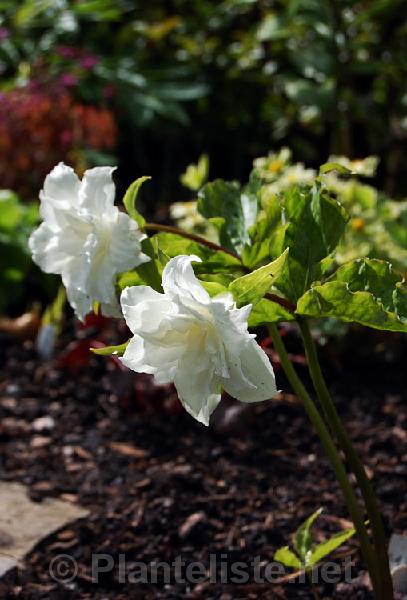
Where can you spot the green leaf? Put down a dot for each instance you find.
(266, 311)
(365, 291)
(303, 539)
(111, 350)
(334, 166)
(324, 548)
(212, 260)
(214, 288)
(252, 287)
(314, 223)
(232, 211)
(148, 273)
(130, 199)
(196, 175)
(266, 236)
(11, 211)
(129, 279)
(287, 558)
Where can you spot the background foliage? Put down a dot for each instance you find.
(153, 86)
(234, 79)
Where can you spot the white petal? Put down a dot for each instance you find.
(61, 186)
(97, 191)
(198, 391)
(143, 307)
(258, 381)
(179, 281)
(80, 302)
(125, 247)
(133, 356)
(98, 272)
(43, 244)
(144, 357)
(111, 310)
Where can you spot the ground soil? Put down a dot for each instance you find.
(159, 485)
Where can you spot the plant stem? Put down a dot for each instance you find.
(190, 236)
(332, 454)
(372, 507)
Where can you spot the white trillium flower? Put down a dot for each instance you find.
(85, 238)
(200, 343)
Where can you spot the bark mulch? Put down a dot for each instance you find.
(158, 485)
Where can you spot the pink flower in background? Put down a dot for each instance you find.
(88, 62)
(68, 80)
(66, 51)
(4, 33)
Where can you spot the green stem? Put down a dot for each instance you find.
(331, 452)
(372, 507)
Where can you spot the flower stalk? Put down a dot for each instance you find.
(372, 507)
(333, 456)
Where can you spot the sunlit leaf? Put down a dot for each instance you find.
(266, 311)
(324, 548)
(287, 558)
(111, 350)
(252, 287)
(130, 199)
(302, 537)
(334, 166)
(212, 260)
(365, 291)
(196, 175)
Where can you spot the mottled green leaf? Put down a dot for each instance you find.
(314, 223)
(266, 236)
(303, 539)
(365, 291)
(231, 210)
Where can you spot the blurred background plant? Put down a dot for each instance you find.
(152, 86)
(232, 78)
(20, 280)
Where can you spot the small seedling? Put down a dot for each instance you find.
(306, 553)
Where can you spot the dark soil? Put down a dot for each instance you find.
(159, 485)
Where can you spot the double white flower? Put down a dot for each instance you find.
(200, 343)
(85, 238)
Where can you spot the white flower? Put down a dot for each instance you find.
(85, 238)
(200, 343)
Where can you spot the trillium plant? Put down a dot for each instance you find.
(190, 301)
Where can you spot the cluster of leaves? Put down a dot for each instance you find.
(285, 247)
(325, 77)
(306, 553)
(377, 224)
